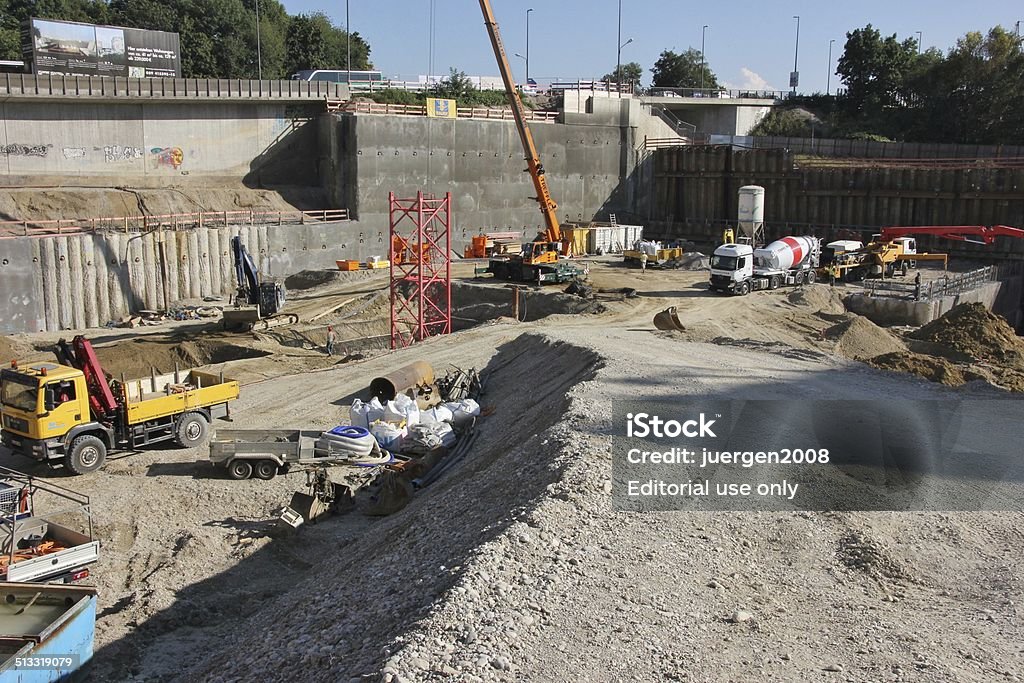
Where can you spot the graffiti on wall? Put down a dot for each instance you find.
(73, 152)
(112, 153)
(172, 157)
(19, 150)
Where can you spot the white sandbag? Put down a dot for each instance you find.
(463, 411)
(402, 410)
(431, 435)
(389, 436)
(365, 414)
(436, 414)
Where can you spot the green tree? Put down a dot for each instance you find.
(455, 86)
(683, 70)
(873, 70)
(306, 43)
(628, 73)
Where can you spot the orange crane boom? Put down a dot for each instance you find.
(553, 231)
(961, 233)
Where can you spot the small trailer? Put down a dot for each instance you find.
(46, 631)
(264, 453)
(34, 547)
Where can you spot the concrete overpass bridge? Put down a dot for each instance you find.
(714, 111)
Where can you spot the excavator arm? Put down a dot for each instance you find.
(553, 231)
(986, 234)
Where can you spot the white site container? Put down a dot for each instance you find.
(613, 239)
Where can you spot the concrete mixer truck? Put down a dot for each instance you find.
(739, 268)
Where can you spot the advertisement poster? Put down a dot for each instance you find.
(68, 48)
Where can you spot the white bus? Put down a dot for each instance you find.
(338, 76)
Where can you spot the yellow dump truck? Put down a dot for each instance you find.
(73, 413)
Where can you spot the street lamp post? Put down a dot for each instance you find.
(526, 82)
(828, 79)
(919, 42)
(795, 77)
(702, 32)
(259, 52)
(348, 46)
(618, 54)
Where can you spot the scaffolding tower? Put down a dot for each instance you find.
(421, 268)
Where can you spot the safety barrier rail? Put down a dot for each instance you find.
(116, 87)
(170, 221)
(717, 93)
(342, 106)
(932, 289)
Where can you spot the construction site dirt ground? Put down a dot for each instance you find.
(514, 565)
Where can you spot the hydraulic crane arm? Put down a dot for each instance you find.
(986, 234)
(245, 271)
(553, 232)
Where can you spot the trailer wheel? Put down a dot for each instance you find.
(265, 469)
(191, 430)
(743, 289)
(87, 454)
(811, 277)
(239, 469)
(773, 283)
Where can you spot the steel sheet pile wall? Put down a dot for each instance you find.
(695, 196)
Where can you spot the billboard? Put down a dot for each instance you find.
(64, 47)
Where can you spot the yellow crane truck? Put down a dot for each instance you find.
(73, 413)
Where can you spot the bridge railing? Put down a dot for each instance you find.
(343, 106)
(169, 221)
(53, 85)
(717, 93)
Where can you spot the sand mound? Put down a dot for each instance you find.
(929, 367)
(859, 338)
(16, 348)
(972, 330)
(308, 279)
(817, 298)
(690, 261)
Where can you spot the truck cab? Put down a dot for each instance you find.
(732, 267)
(42, 403)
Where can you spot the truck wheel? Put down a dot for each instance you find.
(87, 454)
(773, 283)
(811, 277)
(265, 469)
(239, 469)
(743, 289)
(191, 430)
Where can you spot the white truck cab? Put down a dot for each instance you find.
(731, 264)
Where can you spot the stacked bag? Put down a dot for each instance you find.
(400, 424)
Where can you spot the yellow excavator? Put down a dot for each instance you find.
(542, 260)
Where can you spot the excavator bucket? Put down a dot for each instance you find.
(241, 318)
(667, 320)
(309, 507)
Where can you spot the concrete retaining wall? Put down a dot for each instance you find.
(479, 162)
(156, 141)
(890, 311)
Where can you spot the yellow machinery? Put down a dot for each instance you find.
(632, 256)
(72, 412)
(541, 261)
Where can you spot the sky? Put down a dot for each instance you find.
(747, 44)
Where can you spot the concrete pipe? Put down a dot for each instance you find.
(417, 374)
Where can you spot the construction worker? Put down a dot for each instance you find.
(643, 261)
(917, 286)
(331, 338)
